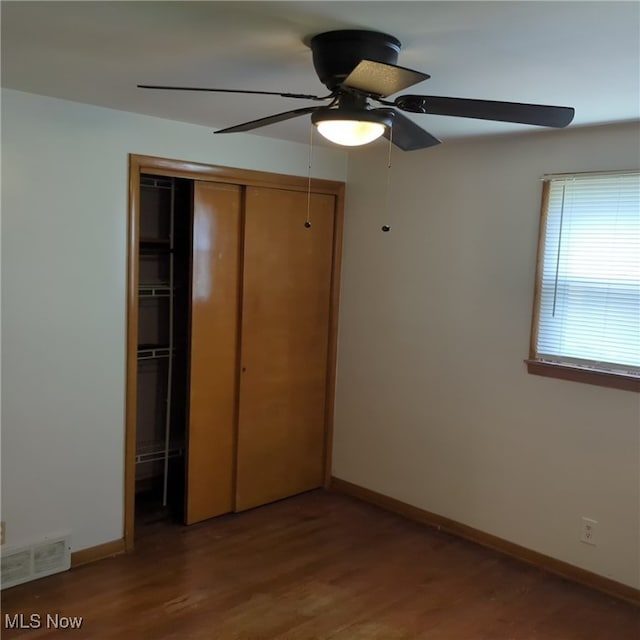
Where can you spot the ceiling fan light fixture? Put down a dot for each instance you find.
(359, 68)
(350, 133)
(350, 128)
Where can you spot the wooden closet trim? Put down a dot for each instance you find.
(131, 396)
(139, 164)
(232, 175)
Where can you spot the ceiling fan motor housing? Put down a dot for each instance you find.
(337, 53)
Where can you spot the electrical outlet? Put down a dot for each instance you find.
(589, 529)
(2, 527)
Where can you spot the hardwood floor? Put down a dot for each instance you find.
(317, 566)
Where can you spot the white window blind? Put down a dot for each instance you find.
(589, 282)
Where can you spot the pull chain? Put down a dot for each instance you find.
(307, 222)
(387, 227)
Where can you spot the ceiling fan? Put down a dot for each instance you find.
(359, 67)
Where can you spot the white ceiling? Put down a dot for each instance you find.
(580, 54)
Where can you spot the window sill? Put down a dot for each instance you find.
(588, 376)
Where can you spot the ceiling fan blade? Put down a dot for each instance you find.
(263, 122)
(382, 79)
(406, 134)
(536, 114)
(302, 96)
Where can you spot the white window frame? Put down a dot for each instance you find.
(563, 365)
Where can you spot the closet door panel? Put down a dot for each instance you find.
(215, 301)
(284, 355)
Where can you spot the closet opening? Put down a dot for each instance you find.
(162, 347)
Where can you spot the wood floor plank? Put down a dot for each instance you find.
(318, 566)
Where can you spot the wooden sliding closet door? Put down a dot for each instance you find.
(214, 350)
(284, 353)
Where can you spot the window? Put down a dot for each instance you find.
(586, 319)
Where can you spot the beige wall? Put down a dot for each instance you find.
(64, 255)
(434, 404)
